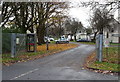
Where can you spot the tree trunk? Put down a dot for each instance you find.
(94, 36)
(75, 37)
(119, 39)
(31, 30)
(71, 37)
(40, 35)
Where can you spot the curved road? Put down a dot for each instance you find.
(66, 65)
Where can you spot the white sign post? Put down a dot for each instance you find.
(106, 44)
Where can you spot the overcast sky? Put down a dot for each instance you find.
(83, 13)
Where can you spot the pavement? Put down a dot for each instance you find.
(66, 65)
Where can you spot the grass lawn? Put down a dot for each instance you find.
(105, 66)
(90, 43)
(73, 41)
(111, 55)
(114, 43)
(111, 61)
(52, 42)
(41, 52)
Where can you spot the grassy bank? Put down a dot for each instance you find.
(111, 61)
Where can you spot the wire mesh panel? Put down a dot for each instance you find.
(13, 43)
(6, 42)
(20, 43)
(110, 53)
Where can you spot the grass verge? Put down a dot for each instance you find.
(110, 61)
(115, 44)
(41, 52)
(105, 66)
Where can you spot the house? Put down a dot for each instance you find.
(80, 34)
(113, 34)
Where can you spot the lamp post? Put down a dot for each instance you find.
(47, 46)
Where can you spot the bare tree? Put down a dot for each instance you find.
(100, 21)
(73, 27)
(31, 15)
(56, 25)
(101, 14)
(47, 11)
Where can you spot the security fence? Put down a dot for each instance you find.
(15, 43)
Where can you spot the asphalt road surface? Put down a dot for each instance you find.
(66, 65)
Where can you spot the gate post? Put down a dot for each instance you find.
(13, 45)
(100, 47)
(97, 46)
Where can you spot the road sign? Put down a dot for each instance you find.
(106, 42)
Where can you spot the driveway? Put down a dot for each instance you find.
(66, 65)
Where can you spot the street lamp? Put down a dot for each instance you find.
(47, 46)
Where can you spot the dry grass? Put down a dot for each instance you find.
(41, 52)
(56, 47)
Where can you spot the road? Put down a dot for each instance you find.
(66, 65)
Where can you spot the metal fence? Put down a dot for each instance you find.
(20, 43)
(6, 42)
(13, 43)
(107, 51)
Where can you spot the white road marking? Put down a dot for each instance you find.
(24, 74)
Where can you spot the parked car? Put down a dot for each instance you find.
(61, 40)
(51, 39)
(46, 38)
(83, 40)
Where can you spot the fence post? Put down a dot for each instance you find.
(13, 45)
(35, 43)
(100, 47)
